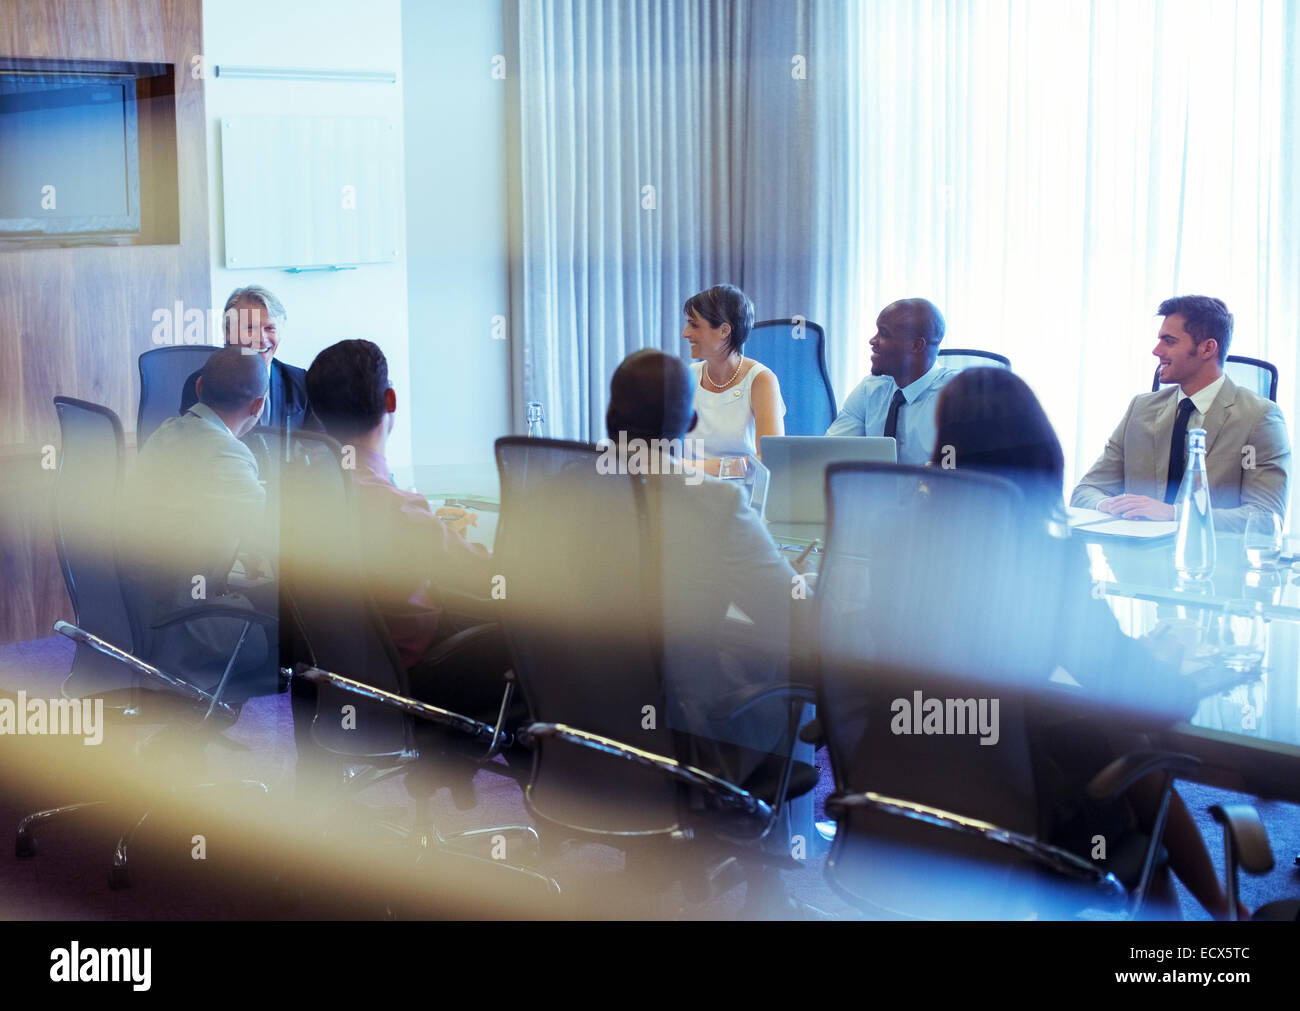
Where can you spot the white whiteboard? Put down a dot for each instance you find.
(309, 191)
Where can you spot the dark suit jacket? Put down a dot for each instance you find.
(287, 395)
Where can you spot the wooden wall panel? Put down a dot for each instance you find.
(74, 321)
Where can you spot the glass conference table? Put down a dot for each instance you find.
(1248, 737)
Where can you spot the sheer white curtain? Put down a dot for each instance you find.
(1048, 173)
(662, 147)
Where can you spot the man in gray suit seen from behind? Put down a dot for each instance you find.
(1248, 453)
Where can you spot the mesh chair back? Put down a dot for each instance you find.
(1254, 374)
(323, 580)
(581, 619)
(163, 372)
(796, 353)
(918, 607)
(966, 358)
(87, 492)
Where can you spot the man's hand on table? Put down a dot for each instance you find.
(1136, 507)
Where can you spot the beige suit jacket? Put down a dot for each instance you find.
(1248, 455)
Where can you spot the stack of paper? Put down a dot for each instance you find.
(1095, 522)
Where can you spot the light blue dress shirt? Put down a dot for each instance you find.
(865, 410)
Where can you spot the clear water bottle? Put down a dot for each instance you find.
(533, 413)
(1194, 547)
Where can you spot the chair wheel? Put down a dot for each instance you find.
(24, 846)
(118, 878)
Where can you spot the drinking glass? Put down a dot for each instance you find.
(1263, 540)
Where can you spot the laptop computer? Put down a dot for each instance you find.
(796, 496)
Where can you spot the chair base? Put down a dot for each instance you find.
(119, 874)
(25, 839)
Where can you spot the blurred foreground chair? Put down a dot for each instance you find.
(1246, 847)
(367, 726)
(918, 600)
(583, 606)
(116, 621)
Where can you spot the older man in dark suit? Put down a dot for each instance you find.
(254, 319)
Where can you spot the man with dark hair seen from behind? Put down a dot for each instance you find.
(713, 551)
(1248, 454)
(899, 396)
(408, 552)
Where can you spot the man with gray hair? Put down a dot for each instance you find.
(899, 396)
(253, 320)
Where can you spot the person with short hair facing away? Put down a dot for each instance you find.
(408, 552)
(897, 399)
(713, 551)
(1248, 453)
(737, 400)
(988, 420)
(254, 319)
(195, 503)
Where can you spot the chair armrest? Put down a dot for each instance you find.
(1248, 836)
(737, 703)
(1126, 770)
(411, 707)
(813, 732)
(728, 793)
(1059, 860)
(463, 639)
(467, 604)
(182, 687)
(200, 611)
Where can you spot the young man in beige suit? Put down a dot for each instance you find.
(1248, 453)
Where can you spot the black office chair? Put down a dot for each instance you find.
(367, 726)
(795, 350)
(940, 824)
(86, 493)
(163, 372)
(1246, 847)
(612, 762)
(112, 655)
(966, 358)
(1253, 374)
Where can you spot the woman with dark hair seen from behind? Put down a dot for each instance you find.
(989, 420)
(737, 399)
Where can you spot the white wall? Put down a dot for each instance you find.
(323, 308)
(456, 237)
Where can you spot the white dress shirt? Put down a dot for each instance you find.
(865, 411)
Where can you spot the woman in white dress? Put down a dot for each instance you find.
(737, 400)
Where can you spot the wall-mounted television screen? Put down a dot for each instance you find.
(69, 153)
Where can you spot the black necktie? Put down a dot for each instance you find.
(891, 419)
(1178, 450)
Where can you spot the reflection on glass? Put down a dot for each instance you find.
(1241, 634)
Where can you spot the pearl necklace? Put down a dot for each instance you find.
(709, 379)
